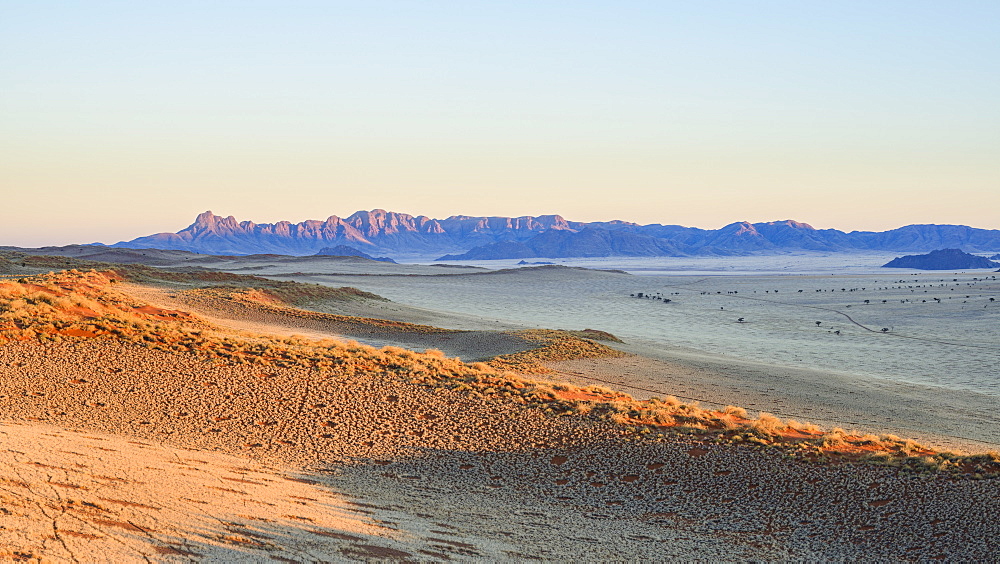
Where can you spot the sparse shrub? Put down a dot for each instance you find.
(735, 411)
(768, 424)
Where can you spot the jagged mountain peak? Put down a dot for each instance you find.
(206, 217)
(741, 228)
(386, 232)
(377, 213)
(208, 222)
(790, 223)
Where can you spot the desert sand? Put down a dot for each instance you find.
(929, 377)
(174, 458)
(126, 449)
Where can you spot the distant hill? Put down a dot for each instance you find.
(345, 251)
(589, 242)
(379, 232)
(943, 259)
(101, 253)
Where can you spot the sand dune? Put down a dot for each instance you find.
(154, 435)
(420, 467)
(471, 345)
(89, 497)
(929, 376)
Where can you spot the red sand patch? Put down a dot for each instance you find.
(83, 312)
(72, 332)
(162, 314)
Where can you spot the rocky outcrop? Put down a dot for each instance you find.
(345, 251)
(943, 259)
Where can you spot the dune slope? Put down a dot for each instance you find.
(393, 454)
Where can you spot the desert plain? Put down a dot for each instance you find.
(321, 409)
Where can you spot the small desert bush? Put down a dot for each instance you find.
(735, 411)
(768, 424)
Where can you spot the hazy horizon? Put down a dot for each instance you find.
(122, 120)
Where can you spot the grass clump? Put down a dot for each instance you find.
(553, 345)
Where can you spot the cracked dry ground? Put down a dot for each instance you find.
(115, 452)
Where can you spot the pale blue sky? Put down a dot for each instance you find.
(120, 119)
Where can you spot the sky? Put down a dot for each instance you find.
(122, 119)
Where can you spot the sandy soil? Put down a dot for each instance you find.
(929, 377)
(73, 495)
(859, 378)
(110, 447)
(430, 473)
(823, 398)
(470, 345)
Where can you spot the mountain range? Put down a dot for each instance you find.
(463, 237)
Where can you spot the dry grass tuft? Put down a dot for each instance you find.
(554, 345)
(768, 425)
(738, 412)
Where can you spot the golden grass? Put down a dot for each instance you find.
(289, 292)
(77, 305)
(554, 345)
